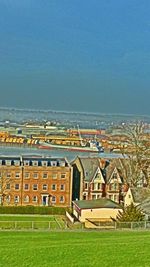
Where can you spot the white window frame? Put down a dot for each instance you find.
(45, 187)
(62, 201)
(33, 188)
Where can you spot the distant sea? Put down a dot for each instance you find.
(70, 155)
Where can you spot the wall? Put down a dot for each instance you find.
(102, 213)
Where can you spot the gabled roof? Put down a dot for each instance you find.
(114, 165)
(100, 178)
(90, 166)
(96, 203)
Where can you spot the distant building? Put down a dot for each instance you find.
(35, 180)
(94, 178)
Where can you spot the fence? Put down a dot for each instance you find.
(33, 225)
(91, 224)
(133, 225)
(63, 225)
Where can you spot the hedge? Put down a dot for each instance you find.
(33, 210)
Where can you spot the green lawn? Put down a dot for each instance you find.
(73, 249)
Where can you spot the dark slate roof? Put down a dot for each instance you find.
(114, 163)
(97, 203)
(140, 194)
(90, 166)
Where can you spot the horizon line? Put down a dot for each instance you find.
(76, 112)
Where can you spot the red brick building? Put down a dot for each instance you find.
(35, 180)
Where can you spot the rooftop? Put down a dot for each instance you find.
(97, 203)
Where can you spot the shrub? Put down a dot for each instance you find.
(33, 210)
(130, 213)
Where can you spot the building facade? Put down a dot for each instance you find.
(35, 180)
(95, 178)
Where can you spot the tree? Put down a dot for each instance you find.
(130, 214)
(136, 152)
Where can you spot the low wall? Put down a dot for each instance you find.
(68, 215)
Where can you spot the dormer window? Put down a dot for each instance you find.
(44, 163)
(54, 163)
(26, 163)
(8, 162)
(62, 163)
(34, 163)
(16, 162)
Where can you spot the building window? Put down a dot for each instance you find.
(35, 199)
(35, 187)
(35, 175)
(8, 198)
(16, 162)
(26, 199)
(62, 187)
(113, 187)
(115, 176)
(99, 185)
(27, 175)
(61, 199)
(34, 163)
(84, 196)
(26, 163)
(17, 175)
(110, 186)
(63, 175)
(45, 187)
(54, 163)
(54, 175)
(45, 175)
(53, 187)
(26, 186)
(8, 186)
(86, 185)
(53, 199)
(8, 162)
(62, 163)
(115, 198)
(16, 199)
(95, 186)
(16, 186)
(44, 163)
(8, 175)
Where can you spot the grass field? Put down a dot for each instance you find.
(74, 249)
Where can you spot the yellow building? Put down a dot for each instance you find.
(102, 209)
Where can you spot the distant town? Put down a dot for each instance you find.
(94, 187)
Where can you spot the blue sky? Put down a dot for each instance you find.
(89, 55)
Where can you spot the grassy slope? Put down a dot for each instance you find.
(73, 249)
